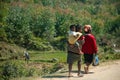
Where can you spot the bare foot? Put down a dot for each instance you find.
(70, 75)
(86, 69)
(80, 75)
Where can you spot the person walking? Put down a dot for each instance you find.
(81, 41)
(89, 48)
(74, 54)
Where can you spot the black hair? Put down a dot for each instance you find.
(72, 26)
(78, 27)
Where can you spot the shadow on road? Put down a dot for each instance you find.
(55, 76)
(83, 72)
(63, 74)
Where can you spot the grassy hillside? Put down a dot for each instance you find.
(41, 26)
(10, 51)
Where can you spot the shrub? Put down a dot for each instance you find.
(112, 28)
(39, 44)
(60, 23)
(83, 1)
(10, 51)
(93, 10)
(3, 36)
(12, 70)
(17, 27)
(43, 25)
(59, 43)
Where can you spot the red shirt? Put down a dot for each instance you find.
(81, 38)
(90, 46)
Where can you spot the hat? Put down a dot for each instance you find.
(87, 28)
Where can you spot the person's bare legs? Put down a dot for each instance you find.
(86, 68)
(70, 69)
(79, 69)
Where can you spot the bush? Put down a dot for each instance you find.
(108, 49)
(59, 43)
(83, 1)
(112, 28)
(43, 24)
(93, 10)
(3, 36)
(17, 27)
(60, 25)
(39, 44)
(12, 70)
(10, 51)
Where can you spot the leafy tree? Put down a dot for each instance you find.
(29, 22)
(116, 28)
(63, 21)
(61, 28)
(93, 10)
(83, 1)
(43, 25)
(112, 26)
(118, 8)
(17, 27)
(3, 12)
(3, 36)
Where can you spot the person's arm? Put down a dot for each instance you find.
(94, 45)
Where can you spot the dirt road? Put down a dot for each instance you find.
(105, 71)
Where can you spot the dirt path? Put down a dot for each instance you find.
(105, 71)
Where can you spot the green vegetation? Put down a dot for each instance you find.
(42, 63)
(10, 51)
(37, 24)
(41, 26)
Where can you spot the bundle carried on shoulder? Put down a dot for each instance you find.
(73, 38)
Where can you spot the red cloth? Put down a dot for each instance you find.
(81, 38)
(90, 46)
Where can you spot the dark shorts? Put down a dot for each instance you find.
(88, 58)
(73, 57)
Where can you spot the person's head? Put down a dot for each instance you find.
(72, 27)
(78, 28)
(87, 28)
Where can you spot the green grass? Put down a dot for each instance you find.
(41, 62)
(37, 56)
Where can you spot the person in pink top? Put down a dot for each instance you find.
(89, 48)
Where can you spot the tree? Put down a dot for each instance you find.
(17, 27)
(43, 25)
(61, 19)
